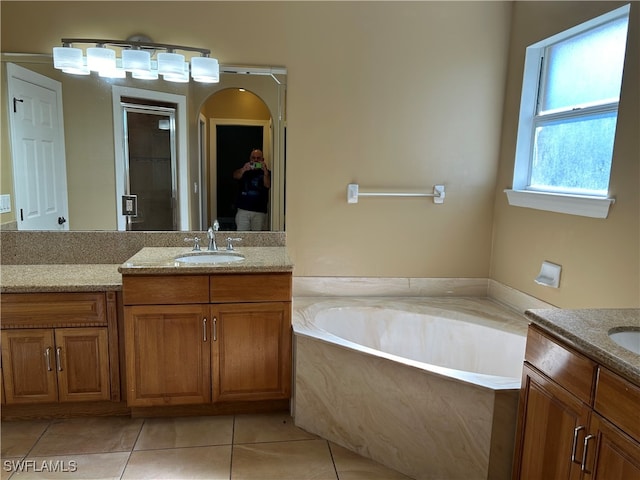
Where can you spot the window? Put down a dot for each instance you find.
(568, 114)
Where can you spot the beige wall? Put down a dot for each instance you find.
(231, 103)
(392, 95)
(599, 257)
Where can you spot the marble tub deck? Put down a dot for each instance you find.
(423, 425)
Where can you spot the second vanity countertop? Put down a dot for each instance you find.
(60, 278)
(161, 261)
(586, 330)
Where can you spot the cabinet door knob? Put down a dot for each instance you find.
(204, 329)
(215, 329)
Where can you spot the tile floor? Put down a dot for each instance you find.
(234, 447)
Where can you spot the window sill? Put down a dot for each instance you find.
(595, 207)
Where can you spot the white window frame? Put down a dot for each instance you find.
(521, 195)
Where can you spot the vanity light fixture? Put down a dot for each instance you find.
(136, 58)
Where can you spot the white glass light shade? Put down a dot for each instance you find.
(136, 60)
(182, 77)
(170, 64)
(81, 70)
(67, 57)
(205, 69)
(150, 75)
(100, 59)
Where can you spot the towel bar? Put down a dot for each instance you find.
(353, 192)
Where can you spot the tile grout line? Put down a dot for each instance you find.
(144, 420)
(333, 461)
(233, 445)
(37, 440)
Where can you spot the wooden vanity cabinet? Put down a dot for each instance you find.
(167, 340)
(576, 419)
(72, 360)
(251, 351)
(194, 339)
(62, 364)
(168, 354)
(615, 426)
(251, 354)
(551, 415)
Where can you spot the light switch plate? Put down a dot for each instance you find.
(5, 203)
(130, 205)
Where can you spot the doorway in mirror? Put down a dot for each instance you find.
(150, 157)
(238, 121)
(233, 147)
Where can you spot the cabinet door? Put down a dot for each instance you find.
(616, 454)
(28, 366)
(251, 352)
(552, 427)
(168, 354)
(82, 362)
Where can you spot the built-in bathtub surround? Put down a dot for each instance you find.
(439, 402)
(415, 287)
(388, 287)
(513, 298)
(46, 248)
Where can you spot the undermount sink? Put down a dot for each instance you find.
(209, 258)
(626, 337)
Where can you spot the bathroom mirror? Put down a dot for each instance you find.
(88, 108)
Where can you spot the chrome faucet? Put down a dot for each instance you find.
(211, 233)
(230, 241)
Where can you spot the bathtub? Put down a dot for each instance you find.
(426, 386)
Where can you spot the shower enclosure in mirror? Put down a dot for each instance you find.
(150, 166)
(91, 148)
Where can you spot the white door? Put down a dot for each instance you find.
(37, 146)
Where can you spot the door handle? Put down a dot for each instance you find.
(15, 101)
(58, 361)
(47, 356)
(583, 466)
(574, 446)
(204, 329)
(215, 329)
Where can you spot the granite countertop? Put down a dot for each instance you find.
(149, 260)
(161, 261)
(587, 331)
(59, 278)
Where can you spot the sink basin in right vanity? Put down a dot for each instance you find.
(217, 335)
(626, 337)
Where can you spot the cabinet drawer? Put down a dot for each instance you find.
(568, 368)
(251, 287)
(165, 289)
(40, 310)
(617, 399)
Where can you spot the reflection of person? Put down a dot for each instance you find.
(255, 181)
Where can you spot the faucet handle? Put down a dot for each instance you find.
(216, 225)
(196, 243)
(230, 240)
